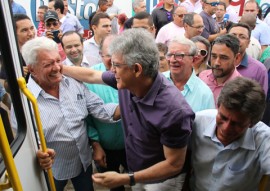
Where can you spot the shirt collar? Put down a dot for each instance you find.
(83, 64)
(36, 90)
(151, 95)
(244, 61)
(92, 41)
(245, 142)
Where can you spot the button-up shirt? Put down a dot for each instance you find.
(91, 51)
(211, 81)
(196, 92)
(64, 124)
(237, 166)
(161, 117)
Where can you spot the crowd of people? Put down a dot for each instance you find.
(168, 100)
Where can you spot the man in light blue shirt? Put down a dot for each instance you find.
(230, 146)
(64, 104)
(262, 31)
(181, 54)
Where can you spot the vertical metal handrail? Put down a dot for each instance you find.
(9, 161)
(29, 95)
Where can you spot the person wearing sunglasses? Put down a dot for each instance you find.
(211, 29)
(203, 46)
(174, 28)
(182, 53)
(53, 31)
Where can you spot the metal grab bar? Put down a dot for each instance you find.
(29, 95)
(13, 179)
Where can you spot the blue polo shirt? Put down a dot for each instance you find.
(161, 117)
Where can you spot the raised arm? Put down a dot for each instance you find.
(83, 74)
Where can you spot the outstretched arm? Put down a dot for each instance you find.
(171, 166)
(83, 74)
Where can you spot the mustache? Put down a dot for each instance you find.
(213, 67)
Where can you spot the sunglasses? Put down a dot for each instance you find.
(180, 15)
(55, 23)
(203, 52)
(213, 4)
(169, 16)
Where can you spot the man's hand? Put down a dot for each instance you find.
(99, 155)
(46, 159)
(110, 179)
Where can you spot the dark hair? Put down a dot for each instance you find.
(162, 47)
(70, 33)
(144, 15)
(224, 5)
(45, 7)
(97, 17)
(189, 18)
(102, 2)
(59, 4)
(244, 25)
(19, 17)
(229, 40)
(243, 95)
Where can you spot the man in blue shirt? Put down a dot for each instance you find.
(230, 146)
(182, 52)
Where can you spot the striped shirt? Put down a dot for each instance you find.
(64, 124)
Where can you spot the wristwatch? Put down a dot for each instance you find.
(131, 179)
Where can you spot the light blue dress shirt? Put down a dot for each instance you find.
(198, 95)
(238, 166)
(64, 124)
(261, 32)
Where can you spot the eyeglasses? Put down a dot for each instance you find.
(180, 15)
(115, 65)
(203, 52)
(213, 4)
(197, 27)
(177, 56)
(169, 16)
(55, 23)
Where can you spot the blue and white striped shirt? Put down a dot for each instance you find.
(64, 124)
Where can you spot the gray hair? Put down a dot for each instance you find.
(187, 42)
(31, 48)
(189, 18)
(136, 3)
(137, 46)
(243, 95)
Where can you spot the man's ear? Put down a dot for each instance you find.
(138, 70)
(237, 59)
(31, 70)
